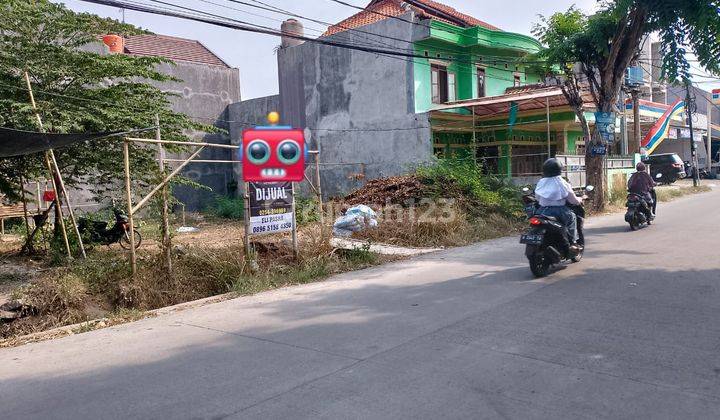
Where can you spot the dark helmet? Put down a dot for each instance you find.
(552, 167)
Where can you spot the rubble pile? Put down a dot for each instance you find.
(393, 190)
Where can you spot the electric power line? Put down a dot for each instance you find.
(199, 16)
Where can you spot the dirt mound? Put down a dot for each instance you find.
(393, 190)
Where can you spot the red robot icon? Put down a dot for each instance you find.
(273, 153)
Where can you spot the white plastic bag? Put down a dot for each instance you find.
(356, 218)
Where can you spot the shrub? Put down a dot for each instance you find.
(464, 179)
(228, 207)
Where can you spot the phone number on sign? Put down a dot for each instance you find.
(275, 227)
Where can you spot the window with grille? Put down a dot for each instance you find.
(443, 84)
(481, 82)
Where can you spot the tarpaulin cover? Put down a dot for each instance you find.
(19, 143)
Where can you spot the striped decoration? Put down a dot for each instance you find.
(659, 131)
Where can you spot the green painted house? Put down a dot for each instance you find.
(436, 82)
(472, 80)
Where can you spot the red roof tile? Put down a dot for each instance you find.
(176, 49)
(467, 19)
(379, 10)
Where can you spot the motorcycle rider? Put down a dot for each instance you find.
(553, 194)
(642, 184)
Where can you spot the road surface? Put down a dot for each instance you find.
(632, 331)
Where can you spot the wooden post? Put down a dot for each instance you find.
(294, 224)
(547, 114)
(319, 187)
(25, 207)
(474, 136)
(67, 203)
(166, 180)
(52, 174)
(128, 197)
(167, 252)
(38, 197)
(246, 217)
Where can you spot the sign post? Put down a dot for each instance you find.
(273, 159)
(271, 207)
(246, 216)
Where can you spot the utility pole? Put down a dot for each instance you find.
(637, 131)
(624, 149)
(689, 105)
(709, 136)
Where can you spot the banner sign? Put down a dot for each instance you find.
(598, 150)
(605, 124)
(716, 96)
(271, 207)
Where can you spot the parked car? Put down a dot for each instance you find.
(669, 165)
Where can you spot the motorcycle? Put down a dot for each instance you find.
(97, 232)
(640, 213)
(547, 240)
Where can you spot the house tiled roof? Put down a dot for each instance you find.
(379, 10)
(467, 19)
(173, 48)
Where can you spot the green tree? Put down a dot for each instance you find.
(78, 89)
(591, 53)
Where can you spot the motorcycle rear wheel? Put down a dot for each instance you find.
(538, 265)
(125, 240)
(579, 256)
(633, 226)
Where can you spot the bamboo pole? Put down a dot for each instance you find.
(202, 161)
(182, 143)
(547, 115)
(246, 217)
(25, 207)
(128, 197)
(318, 190)
(294, 224)
(71, 213)
(166, 222)
(38, 197)
(165, 181)
(52, 174)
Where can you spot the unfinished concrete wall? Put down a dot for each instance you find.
(203, 94)
(247, 114)
(358, 107)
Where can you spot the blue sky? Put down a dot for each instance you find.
(254, 54)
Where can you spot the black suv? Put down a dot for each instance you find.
(669, 165)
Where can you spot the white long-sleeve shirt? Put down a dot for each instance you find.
(555, 191)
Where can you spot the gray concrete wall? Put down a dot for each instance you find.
(247, 114)
(358, 107)
(204, 94)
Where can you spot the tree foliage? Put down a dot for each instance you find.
(78, 88)
(591, 53)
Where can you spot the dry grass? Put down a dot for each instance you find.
(419, 227)
(672, 192)
(103, 287)
(57, 300)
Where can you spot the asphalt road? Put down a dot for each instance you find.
(632, 331)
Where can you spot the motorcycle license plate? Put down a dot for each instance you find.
(531, 239)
